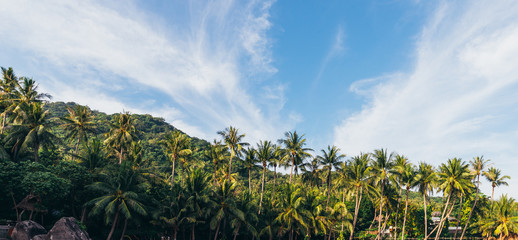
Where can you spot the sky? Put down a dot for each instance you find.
(430, 80)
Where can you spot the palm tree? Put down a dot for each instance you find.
(121, 192)
(330, 159)
(197, 200)
(292, 215)
(265, 152)
(294, 150)
(177, 146)
(454, 178)
(382, 165)
(425, 181)
(78, 123)
(234, 142)
(121, 134)
(274, 162)
(225, 206)
(311, 172)
(217, 154)
(31, 129)
(400, 164)
(477, 164)
(503, 220)
(358, 171)
(408, 180)
(493, 175)
(250, 161)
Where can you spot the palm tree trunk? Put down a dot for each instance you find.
(172, 171)
(425, 218)
(381, 211)
(397, 211)
(37, 147)
(444, 218)
(274, 179)
(328, 186)
(292, 163)
(472, 208)
(249, 181)
(192, 232)
(262, 188)
(113, 225)
(77, 144)
(217, 231)
(459, 212)
(124, 228)
(230, 164)
(356, 209)
(404, 218)
(236, 232)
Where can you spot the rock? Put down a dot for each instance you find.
(67, 228)
(40, 237)
(26, 230)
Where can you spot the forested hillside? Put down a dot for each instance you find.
(136, 176)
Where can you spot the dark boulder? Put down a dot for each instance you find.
(67, 228)
(26, 230)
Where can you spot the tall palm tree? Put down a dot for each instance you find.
(217, 154)
(330, 159)
(275, 162)
(265, 152)
(225, 206)
(503, 220)
(454, 178)
(293, 215)
(198, 202)
(121, 134)
(294, 150)
(478, 165)
(494, 176)
(382, 164)
(425, 181)
(250, 161)
(78, 123)
(408, 180)
(121, 195)
(311, 172)
(177, 145)
(234, 142)
(31, 129)
(400, 164)
(358, 172)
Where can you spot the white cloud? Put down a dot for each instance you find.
(192, 66)
(458, 101)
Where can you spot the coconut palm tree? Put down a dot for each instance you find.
(217, 154)
(330, 159)
(121, 134)
(121, 195)
(294, 150)
(225, 206)
(311, 172)
(494, 176)
(275, 162)
(425, 180)
(249, 162)
(454, 178)
(478, 165)
(31, 128)
(292, 216)
(78, 123)
(265, 152)
(358, 173)
(408, 180)
(234, 142)
(382, 164)
(177, 145)
(503, 220)
(198, 202)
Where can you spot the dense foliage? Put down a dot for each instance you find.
(136, 176)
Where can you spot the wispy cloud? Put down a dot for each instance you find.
(193, 71)
(335, 50)
(458, 101)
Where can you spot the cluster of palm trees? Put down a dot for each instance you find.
(322, 198)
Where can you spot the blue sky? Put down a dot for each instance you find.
(428, 79)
